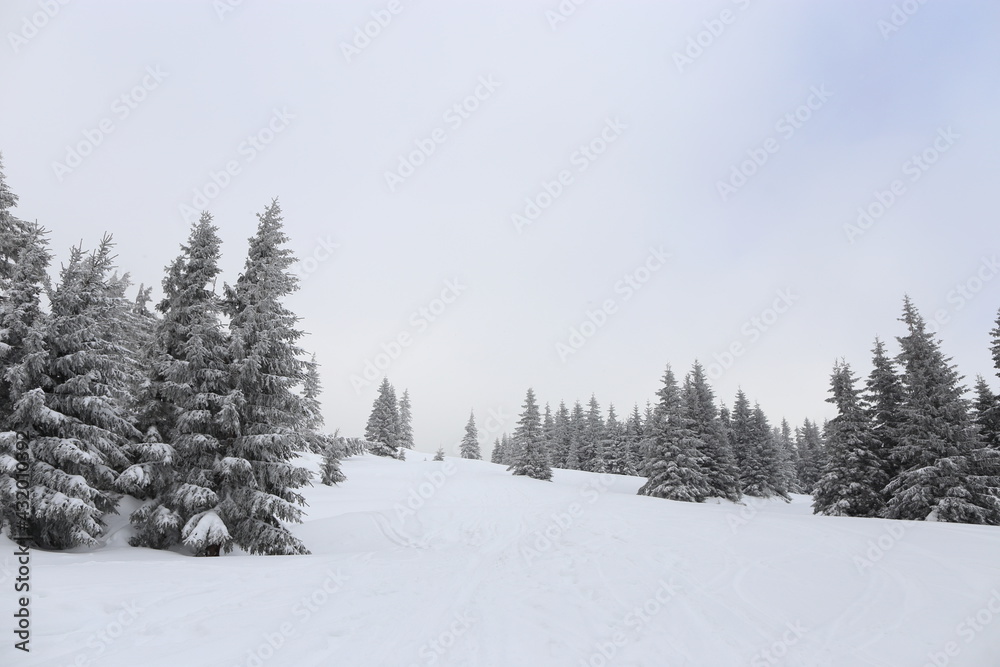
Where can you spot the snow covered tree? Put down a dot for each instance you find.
(673, 458)
(439, 454)
(854, 475)
(67, 399)
(405, 421)
(590, 451)
(312, 419)
(811, 460)
(559, 446)
(185, 400)
(884, 398)
(616, 452)
(470, 443)
(256, 475)
(548, 432)
(938, 447)
(531, 458)
(23, 354)
(787, 458)
(703, 420)
(330, 472)
(633, 438)
(383, 423)
(986, 408)
(497, 455)
(577, 432)
(756, 453)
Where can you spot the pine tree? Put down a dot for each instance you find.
(577, 430)
(788, 458)
(561, 437)
(405, 421)
(633, 438)
(507, 450)
(330, 472)
(184, 400)
(616, 451)
(717, 456)
(469, 448)
(811, 460)
(23, 354)
(674, 461)
(317, 441)
(312, 422)
(531, 458)
(938, 447)
(68, 399)
(767, 460)
(884, 398)
(590, 446)
(383, 423)
(548, 432)
(854, 475)
(439, 454)
(986, 408)
(756, 453)
(497, 456)
(258, 479)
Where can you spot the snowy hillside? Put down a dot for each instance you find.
(459, 563)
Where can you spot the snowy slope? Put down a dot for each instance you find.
(491, 570)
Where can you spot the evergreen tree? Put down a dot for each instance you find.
(716, 452)
(405, 419)
(439, 454)
(765, 475)
(938, 447)
(986, 409)
(590, 447)
(756, 453)
(531, 458)
(548, 432)
(788, 458)
(633, 439)
(23, 354)
(470, 443)
(383, 423)
(497, 456)
(312, 422)
(884, 398)
(811, 459)
(330, 472)
(256, 475)
(67, 397)
(561, 437)
(854, 474)
(507, 449)
(185, 400)
(577, 428)
(616, 450)
(674, 461)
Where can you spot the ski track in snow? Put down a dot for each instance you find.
(494, 570)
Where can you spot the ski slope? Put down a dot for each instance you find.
(458, 563)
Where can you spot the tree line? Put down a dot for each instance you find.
(909, 445)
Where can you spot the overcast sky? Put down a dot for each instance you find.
(695, 165)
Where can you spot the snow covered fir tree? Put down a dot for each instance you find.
(469, 448)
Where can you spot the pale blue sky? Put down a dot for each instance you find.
(655, 186)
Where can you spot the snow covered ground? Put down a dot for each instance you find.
(459, 563)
